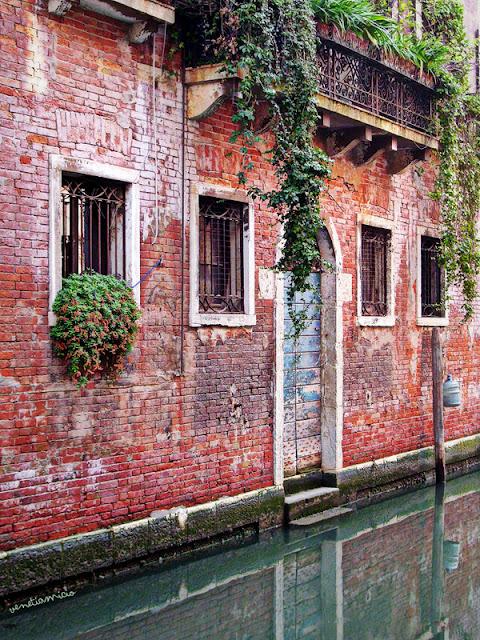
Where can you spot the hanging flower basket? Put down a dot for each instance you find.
(96, 325)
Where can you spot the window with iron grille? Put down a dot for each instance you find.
(374, 270)
(93, 226)
(221, 256)
(432, 279)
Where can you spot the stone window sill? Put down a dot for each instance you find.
(376, 321)
(432, 322)
(223, 319)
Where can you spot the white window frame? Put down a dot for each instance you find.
(389, 319)
(59, 165)
(423, 321)
(248, 318)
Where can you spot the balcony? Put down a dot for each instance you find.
(351, 78)
(369, 103)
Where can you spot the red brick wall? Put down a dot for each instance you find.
(76, 460)
(387, 370)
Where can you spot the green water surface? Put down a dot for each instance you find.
(408, 568)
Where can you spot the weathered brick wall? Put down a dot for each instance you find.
(73, 460)
(387, 370)
(76, 460)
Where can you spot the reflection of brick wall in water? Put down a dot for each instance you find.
(386, 581)
(462, 587)
(387, 577)
(241, 609)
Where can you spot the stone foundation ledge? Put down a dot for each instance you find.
(361, 483)
(48, 562)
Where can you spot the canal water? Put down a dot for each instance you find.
(406, 569)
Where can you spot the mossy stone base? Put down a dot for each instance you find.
(87, 552)
(50, 562)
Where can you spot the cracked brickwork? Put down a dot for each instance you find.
(74, 461)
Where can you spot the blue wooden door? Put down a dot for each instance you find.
(302, 369)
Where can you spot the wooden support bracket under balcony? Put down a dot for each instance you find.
(400, 161)
(367, 152)
(363, 117)
(340, 142)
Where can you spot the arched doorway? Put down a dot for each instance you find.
(311, 381)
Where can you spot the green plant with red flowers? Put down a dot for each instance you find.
(96, 325)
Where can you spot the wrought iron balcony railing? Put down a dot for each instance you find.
(356, 79)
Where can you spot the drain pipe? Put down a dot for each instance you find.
(183, 193)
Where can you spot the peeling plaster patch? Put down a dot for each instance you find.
(397, 209)
(472, 391)
(9, 486)
(81, 425)
(266, 284)
(8, 382)
(150, 227)
(26, 474)
(414, 339)
(38, 60)
(206, 335)
(7, 458)
(90, 128)
(189, 360)
(236, 408)
(345, 293)
(94, 467)
(473, 327)
(212, 159)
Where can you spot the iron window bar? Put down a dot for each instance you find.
(374, 270)
(93, 226)
(222, 224)
(432, 279)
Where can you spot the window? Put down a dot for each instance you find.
(222, 258)
(221, 225)
(94, 222)
(93, 226)
(432, 304)
(374, 271)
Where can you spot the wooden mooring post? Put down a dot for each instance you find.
(438, 429)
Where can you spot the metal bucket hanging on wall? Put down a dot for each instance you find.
(451, 392)
(451, 555)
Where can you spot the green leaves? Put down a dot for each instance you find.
(359, 17)
(458, 184)
(96, 325)
(367, 20)
(275, 42)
